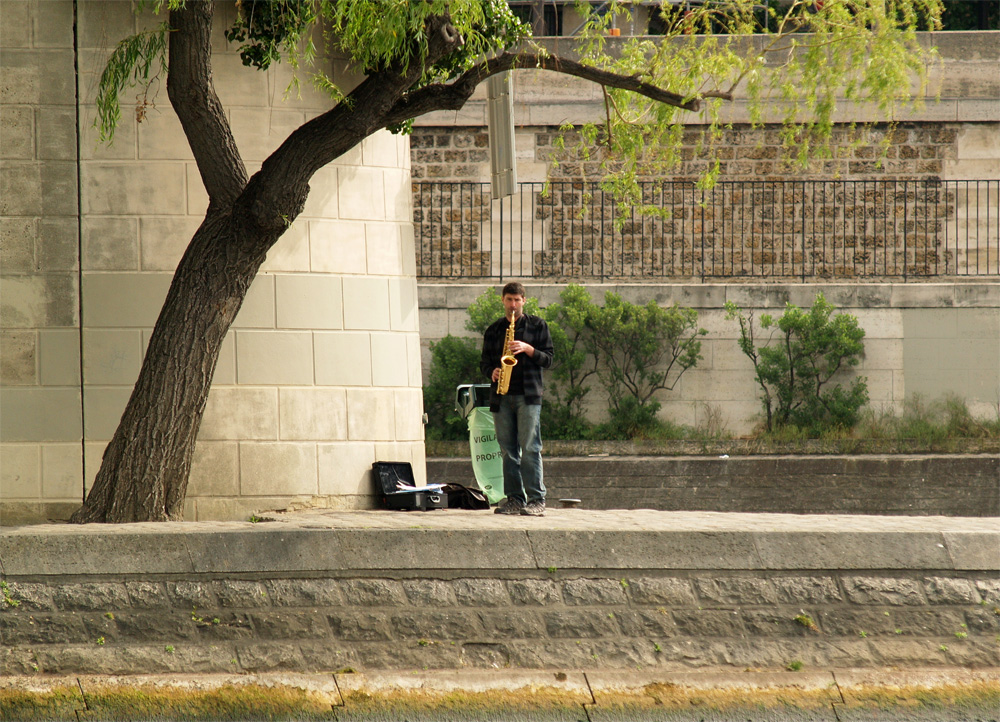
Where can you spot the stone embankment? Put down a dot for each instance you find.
(908, 484)
(577, 589)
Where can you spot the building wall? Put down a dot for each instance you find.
(931, 339)
(319, 376)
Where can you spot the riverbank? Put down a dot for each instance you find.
(318, 591)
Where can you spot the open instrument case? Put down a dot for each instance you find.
(389, 475)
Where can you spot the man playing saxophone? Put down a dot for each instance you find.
(515, 350)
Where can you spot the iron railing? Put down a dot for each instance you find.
(893, 229)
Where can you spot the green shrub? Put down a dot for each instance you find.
(563, 414)
(454, 361)
(796, 373)
(633, 350)
(641, 350)
(488, 307)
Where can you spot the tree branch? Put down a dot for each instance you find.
(286, 172)
(454, 95)
(193, 97)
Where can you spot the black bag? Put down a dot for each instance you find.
(462, 497)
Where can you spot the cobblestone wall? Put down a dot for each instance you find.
(916, 151)
(554, 619)
(857, 215)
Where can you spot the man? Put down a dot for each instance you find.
(516, 414)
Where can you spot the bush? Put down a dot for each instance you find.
(796, 374)
(488, 307)
(454, 361)
(635, 351)
(641, 350)
(562, 414)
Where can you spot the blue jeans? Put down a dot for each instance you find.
(519, 433)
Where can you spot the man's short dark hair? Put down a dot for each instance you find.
(514, 288)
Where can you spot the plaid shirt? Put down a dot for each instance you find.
(527, 375)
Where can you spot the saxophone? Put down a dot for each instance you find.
(507, 360)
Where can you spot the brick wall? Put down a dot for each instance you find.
(556, 619)
(916, 151)
(852, 216)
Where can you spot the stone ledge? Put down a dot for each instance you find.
(307, 543)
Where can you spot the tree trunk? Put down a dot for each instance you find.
(145, 469)
(144, 473)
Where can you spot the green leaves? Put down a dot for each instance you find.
(137, 60)
(810, 348)
(797, 64)
(642, 349)
(454, 361)
(268, 29)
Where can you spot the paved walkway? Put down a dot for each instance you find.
(632, 520)
(555, 518)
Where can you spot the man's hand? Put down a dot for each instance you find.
(517, 347)
(496, 375)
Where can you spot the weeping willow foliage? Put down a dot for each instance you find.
(797, 64)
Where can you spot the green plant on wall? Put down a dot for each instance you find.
(641, 350)
(563, 414)
(454, 361)
(797, 366)
(488, 307)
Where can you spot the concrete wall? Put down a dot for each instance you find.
(319, 376)
(926, 338)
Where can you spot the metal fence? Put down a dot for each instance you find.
(781, 229)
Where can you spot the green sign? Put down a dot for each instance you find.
(486, 462)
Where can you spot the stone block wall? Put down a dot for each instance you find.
(849, 217)
(918, 150)
(319, 376)
(41, 415)
(897, 484)
(931, 339)
(324, 590)
(559, 620)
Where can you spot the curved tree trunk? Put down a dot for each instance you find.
(146, 465)
(145, 469)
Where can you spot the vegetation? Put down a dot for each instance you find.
(931, 425)
(798, 376)
(454, 361)
(796, 373)
(634, 351)
(641, 350)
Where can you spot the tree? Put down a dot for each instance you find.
(418, 57)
